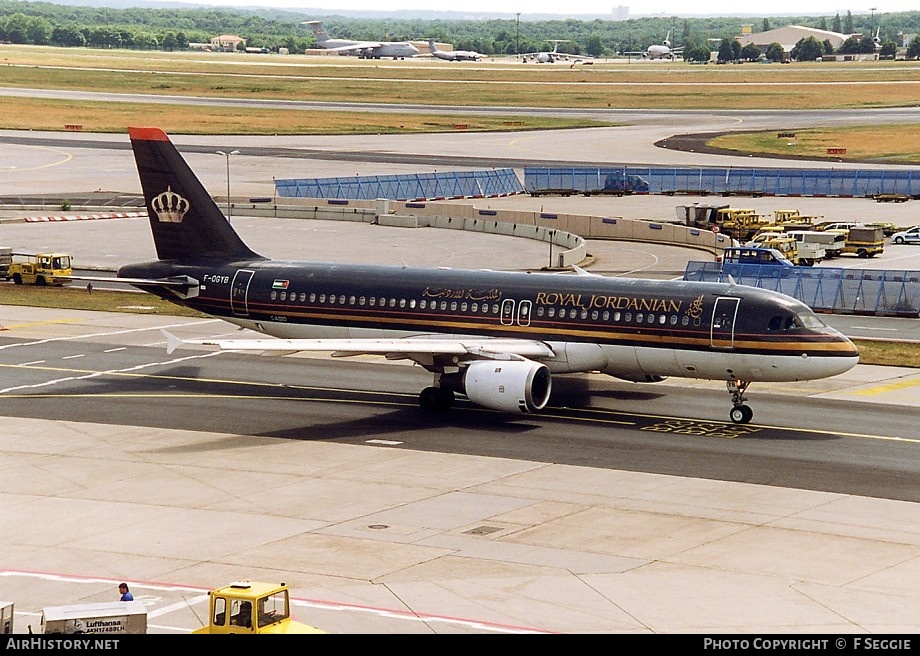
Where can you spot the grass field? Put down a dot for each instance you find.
(507, 83)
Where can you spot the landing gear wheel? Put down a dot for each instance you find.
(741, 414)
(435, 399)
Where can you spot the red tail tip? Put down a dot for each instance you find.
(147, 134)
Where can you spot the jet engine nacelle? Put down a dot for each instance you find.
(507, 385)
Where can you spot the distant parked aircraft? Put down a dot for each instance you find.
(453, 55)
(547, 57)
(362, 49)
(661, 50)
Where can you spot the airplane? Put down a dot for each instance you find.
(546, 57)
(495, 337)
(876, 40)
(453, 55)
(362, 49)
(660, 51)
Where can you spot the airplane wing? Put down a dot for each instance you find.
(421, 349)
(355, 47)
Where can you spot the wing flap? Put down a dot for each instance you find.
(415, 348)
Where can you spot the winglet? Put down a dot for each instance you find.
(172, 342)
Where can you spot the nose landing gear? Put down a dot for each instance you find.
(740, 413)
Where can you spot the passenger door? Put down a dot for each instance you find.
(722, 332)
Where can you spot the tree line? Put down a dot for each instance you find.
(43, 23)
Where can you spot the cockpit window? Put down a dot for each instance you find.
(809, 320)
(794, 322)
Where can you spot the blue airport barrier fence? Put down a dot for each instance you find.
(728, 181)
(825, 289)
(418, 186)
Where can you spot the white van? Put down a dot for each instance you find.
(813, 242)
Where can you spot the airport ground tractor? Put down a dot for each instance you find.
(35, 268)
(252, 607)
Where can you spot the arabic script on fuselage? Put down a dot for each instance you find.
(462, 294)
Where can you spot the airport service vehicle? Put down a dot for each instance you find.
(107, 618)
(813, 242)
(836, 225)
(813, 245)
(782, 242)
(250, 607)
(754, 255)
(887, 227)
(37, 268)
(6, 259)
(865, 241)
(909, 236)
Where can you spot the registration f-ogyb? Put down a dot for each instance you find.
(495, 337)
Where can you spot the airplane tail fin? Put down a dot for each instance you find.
(187, 225)
(319, 32)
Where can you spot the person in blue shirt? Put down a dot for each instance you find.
(125, 593)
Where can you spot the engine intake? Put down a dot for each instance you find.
(510, 386)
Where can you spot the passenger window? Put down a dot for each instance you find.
(463, 307)
(372, 301)
(351, 300)
(594, 315)
(283, 296)
(443, 305)
(584, 314)
(627, 317)
(402, 302)
(313, 298)
(640, 317)
(474, 307)
(552, 312)
(423, 304)
(322, 298)
(274, 295)
(453, 306)
(303, 297)
(361, 300)
(392, 302)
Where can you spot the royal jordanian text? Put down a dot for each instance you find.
(608, 302)
(35, 642)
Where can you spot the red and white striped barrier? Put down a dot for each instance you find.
(85, 217)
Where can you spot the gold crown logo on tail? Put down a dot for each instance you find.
(169, 206)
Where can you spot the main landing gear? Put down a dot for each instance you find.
(740, 413)
(436, 399)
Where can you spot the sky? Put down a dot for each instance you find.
(577, 7)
